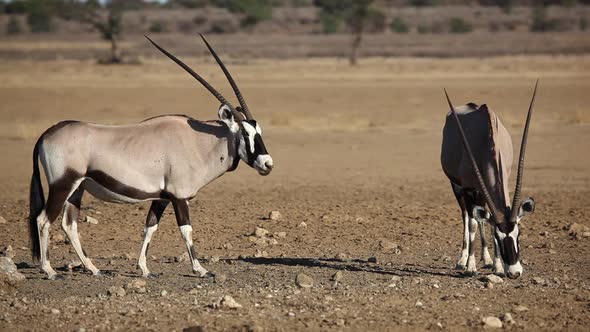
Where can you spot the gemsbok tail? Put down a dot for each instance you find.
(36, 204)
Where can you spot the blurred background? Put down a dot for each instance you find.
(294, 28)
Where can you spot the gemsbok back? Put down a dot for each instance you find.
(163, 159)
(479, 173)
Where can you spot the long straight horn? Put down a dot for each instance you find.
(482, 184)
(525, 135)
(231, 80)
(196, 76)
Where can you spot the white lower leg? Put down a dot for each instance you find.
(72, 233)
(465, 248)
(498, 263)
(186, 231)
(485, 254)
(43, 226)
(471, 266)
(142, 262)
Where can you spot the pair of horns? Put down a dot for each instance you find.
(516, 199)
(244, 108)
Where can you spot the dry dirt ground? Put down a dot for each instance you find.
(357, 160)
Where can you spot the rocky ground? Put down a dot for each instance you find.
(367, 231)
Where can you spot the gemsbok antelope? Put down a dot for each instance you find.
(163, 159)
(479, 173)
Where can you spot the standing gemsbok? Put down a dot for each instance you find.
(486, 146)
(163, 159)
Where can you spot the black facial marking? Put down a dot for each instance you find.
(259, 147)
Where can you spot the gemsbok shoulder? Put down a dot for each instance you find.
(165, 159)
(476, 156)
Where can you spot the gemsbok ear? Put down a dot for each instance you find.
(480, 214)
(526, 207)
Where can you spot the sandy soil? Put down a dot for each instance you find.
(357, 159)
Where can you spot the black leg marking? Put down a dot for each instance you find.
(181, 211)
(156, 210)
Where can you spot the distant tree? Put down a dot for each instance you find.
(106, 19)
(360, 16)
(459, 25)
(13, 26)
(398, 25)
(254, 11)
(39, 15)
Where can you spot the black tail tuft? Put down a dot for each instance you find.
(36, 204)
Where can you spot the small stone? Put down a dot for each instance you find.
(182, 258)
(372, 260)
(492, 322)
(520, 308)
(291, 314)
(274, 215)
(337, 277)
(214, 259)
(539, 281)
(7, 251)
(388, 246)
(136, 284)
(58, 237)
(302, 224)
(492, 278)
(419, 304)
(70, 265)
(273, 242)
(507, 319)
(9, 273)
(340, 322)
(220, 278)
(281, 235)
(164, 293)
(2, 220)
(116, 291)
(226, 302)
(55, 311)
(586, 234)
(260, 253)
(304, 281)
(260, 232)
(91, 220)
(341, 256)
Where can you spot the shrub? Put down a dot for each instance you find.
(540, 21)
(583, 24)
(423, 3)
(331, 23)
(13, 26)
(157, 27)
(200, 20)
(398, 25)
(255, 10)
(39, 17)
(459, 25)
(223, 26)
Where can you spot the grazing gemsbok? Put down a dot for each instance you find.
(163, 159)
(487, 147)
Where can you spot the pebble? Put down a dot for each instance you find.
(7, 251)
(59, 237)
(214, 259)
(418, 304)
(302, 224)
(281, 235)
(220, 278)
(164, 293)
(226, 301)
(182, 258)
(520, 308)
(539, 281)
(372, 260)
(260, 232)
(274, 215)
(9, 273)
(116, 291)
(55, 311)
(304, 281)
(337, 277)
(492, 278)
(136, 284)
(260, 253)
(2, 220)
(70, 265)
(492, 322)
(388, 246)
(507, 319)
(341, 256)
(91, 220)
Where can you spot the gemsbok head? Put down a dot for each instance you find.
(476, 156)
(163, 159)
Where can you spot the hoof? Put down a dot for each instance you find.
(500, 274)
(153, 276)
(469, 273)
(98, 273)
(489, 266)
(207, 275)
(460, 267)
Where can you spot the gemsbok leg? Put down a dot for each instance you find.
(182, 218)
(59, 192)
(498, 263)
(151, 225)
(70, 226)
(485, 254)
(460, 196)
